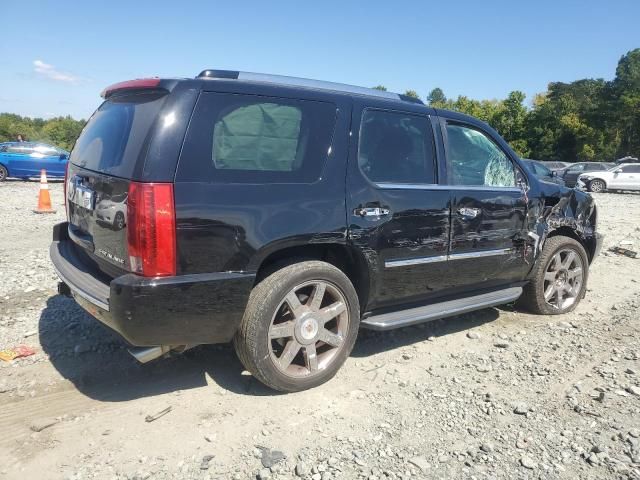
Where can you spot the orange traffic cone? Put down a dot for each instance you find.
(44, 200)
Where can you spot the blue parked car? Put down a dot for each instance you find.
(26, 159)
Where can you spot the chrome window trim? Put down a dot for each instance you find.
(430, 186)
(444, 258)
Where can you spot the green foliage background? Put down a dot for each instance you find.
(589, 119)
(60, 131)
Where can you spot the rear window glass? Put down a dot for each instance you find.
(116, 134)
(255, 139)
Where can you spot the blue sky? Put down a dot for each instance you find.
(58, 55)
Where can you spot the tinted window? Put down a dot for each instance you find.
(20, 149)
(396, 147)
(256, 139)
(576, 168)
(593, 167)
(474, 159)
(631, 169)
(47, 150)
(115, 135)
(542, 170)
(260, 136)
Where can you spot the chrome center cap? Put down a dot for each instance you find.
(561, 278)
(309, 329)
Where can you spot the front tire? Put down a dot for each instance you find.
(299, 327)
(597, 186)
(4, 173)
(559, 278)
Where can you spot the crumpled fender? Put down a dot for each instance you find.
(554, 209)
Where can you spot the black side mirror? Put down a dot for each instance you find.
(63, 156)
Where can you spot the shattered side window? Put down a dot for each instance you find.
(474, 159)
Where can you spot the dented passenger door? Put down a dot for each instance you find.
(488, 208)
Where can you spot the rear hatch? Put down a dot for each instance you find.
(107, 158)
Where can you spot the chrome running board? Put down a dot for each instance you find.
(413, 316)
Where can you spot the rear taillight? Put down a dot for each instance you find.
(151, 229)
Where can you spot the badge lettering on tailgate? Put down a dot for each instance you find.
(110, 256)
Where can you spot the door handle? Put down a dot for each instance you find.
(371, 212)
(468, 213)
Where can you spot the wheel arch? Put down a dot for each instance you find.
(345, 258)
(599, 178)
(4, 164)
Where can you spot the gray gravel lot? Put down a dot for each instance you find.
(492, 394)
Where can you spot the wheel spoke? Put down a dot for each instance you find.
(568, 260)
(282, 330)
(294, 303)
(559, 296)
(289, 353)
(557, 261)
(311, 358)
(548, 293)
(569, 290)
(551, 276)
(330, 312)
(317, 296)
(330, 338)
(576, 272)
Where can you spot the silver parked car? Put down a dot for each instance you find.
(621, 177)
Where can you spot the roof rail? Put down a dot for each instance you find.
(304, 82)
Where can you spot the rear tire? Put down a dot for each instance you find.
(597, 186)
(4, 173)
(299, 327)
(559, 278)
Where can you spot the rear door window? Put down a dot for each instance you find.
(234, 138)
(114, 139)
(396, 147)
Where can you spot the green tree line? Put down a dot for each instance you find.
(589, 119)
(60, 131)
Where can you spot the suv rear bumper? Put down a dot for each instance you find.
(180, 310)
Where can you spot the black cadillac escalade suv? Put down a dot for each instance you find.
(284, 214)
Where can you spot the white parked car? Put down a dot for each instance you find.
(621, 177)
(113, 211)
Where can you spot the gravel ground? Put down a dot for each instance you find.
(492, 394)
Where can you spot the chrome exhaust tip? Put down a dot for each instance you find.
(146, 354)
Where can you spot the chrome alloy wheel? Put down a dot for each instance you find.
(596, 186)
(563, 279)
(308, 328)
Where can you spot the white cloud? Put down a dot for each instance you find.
(50, 72)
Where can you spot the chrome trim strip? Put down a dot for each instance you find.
(481, 253)
(80, 293)
(421, 186)
(415, 261)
